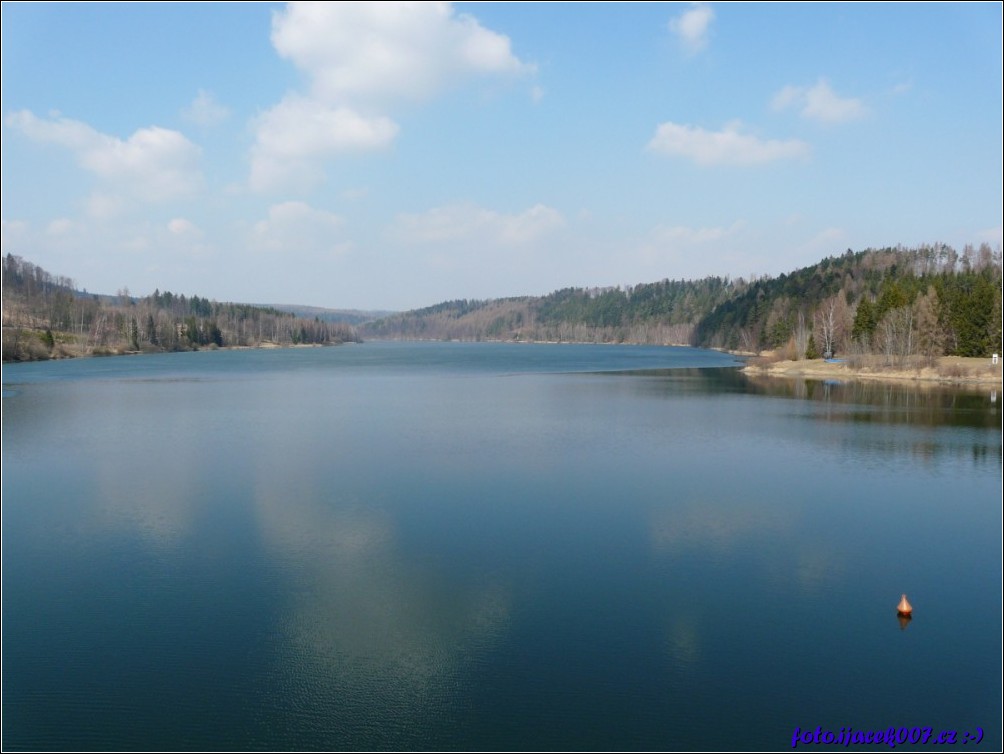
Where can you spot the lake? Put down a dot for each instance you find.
(493, 546)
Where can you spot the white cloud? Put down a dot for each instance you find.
(822, 103)
(819, 102)
(354, 194)
(472, 224)
(61, 226)
(380, 52)
(692, 26)
(184, 237)
(140, 242)
(787, 96)
(687, 236)
(297, 132)
(205, 110)
(12, 235)
(902, 87)
(363, 59)
(179, 226)
(300, 128)
(100, 206)
(684, 251)
(725, 147)
(298, 228)
(825, 242)
(154, 163)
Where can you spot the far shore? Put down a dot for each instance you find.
(69, 350)
(947, 370)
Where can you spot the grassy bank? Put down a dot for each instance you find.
(955, 370)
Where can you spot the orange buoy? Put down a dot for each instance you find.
(904, 607)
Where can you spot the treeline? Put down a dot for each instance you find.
(662, 312)
(338, 316)
(44, 316)
(930, 300)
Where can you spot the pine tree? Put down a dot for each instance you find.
(811, 352)
(865, 320)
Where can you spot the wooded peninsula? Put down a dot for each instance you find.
(903, 306)
(45, 317)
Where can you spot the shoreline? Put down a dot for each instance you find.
(66, 355)
(956, 371)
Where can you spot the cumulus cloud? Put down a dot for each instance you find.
(726, 147)
(469, 223)
(299, 131)
(375, 52)
(205, 110)
(787, 96)
(299, 127)
(819, 102)
(154, 163)
(296, 227)
(362, 60)
(692, 26)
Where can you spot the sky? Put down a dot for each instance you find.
(394, 155)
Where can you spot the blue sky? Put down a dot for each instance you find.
(393, 156)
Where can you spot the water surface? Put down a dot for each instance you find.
(490, 546)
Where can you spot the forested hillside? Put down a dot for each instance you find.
(336, 316)
(900, 302)
(44, 316)
(928, 301)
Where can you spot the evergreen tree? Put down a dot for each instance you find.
(811, 352)
(865, 321)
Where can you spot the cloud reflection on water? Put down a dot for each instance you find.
(359, 613)
(710, 525)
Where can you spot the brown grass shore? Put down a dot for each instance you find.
(948, 370)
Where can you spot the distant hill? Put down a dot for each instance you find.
(45, 316)
(929, 300)
(344, 316)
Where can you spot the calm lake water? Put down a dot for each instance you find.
(488, 546)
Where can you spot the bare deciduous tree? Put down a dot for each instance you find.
(930, 340)
(831, 324)
(802, 333)
(895, 335)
